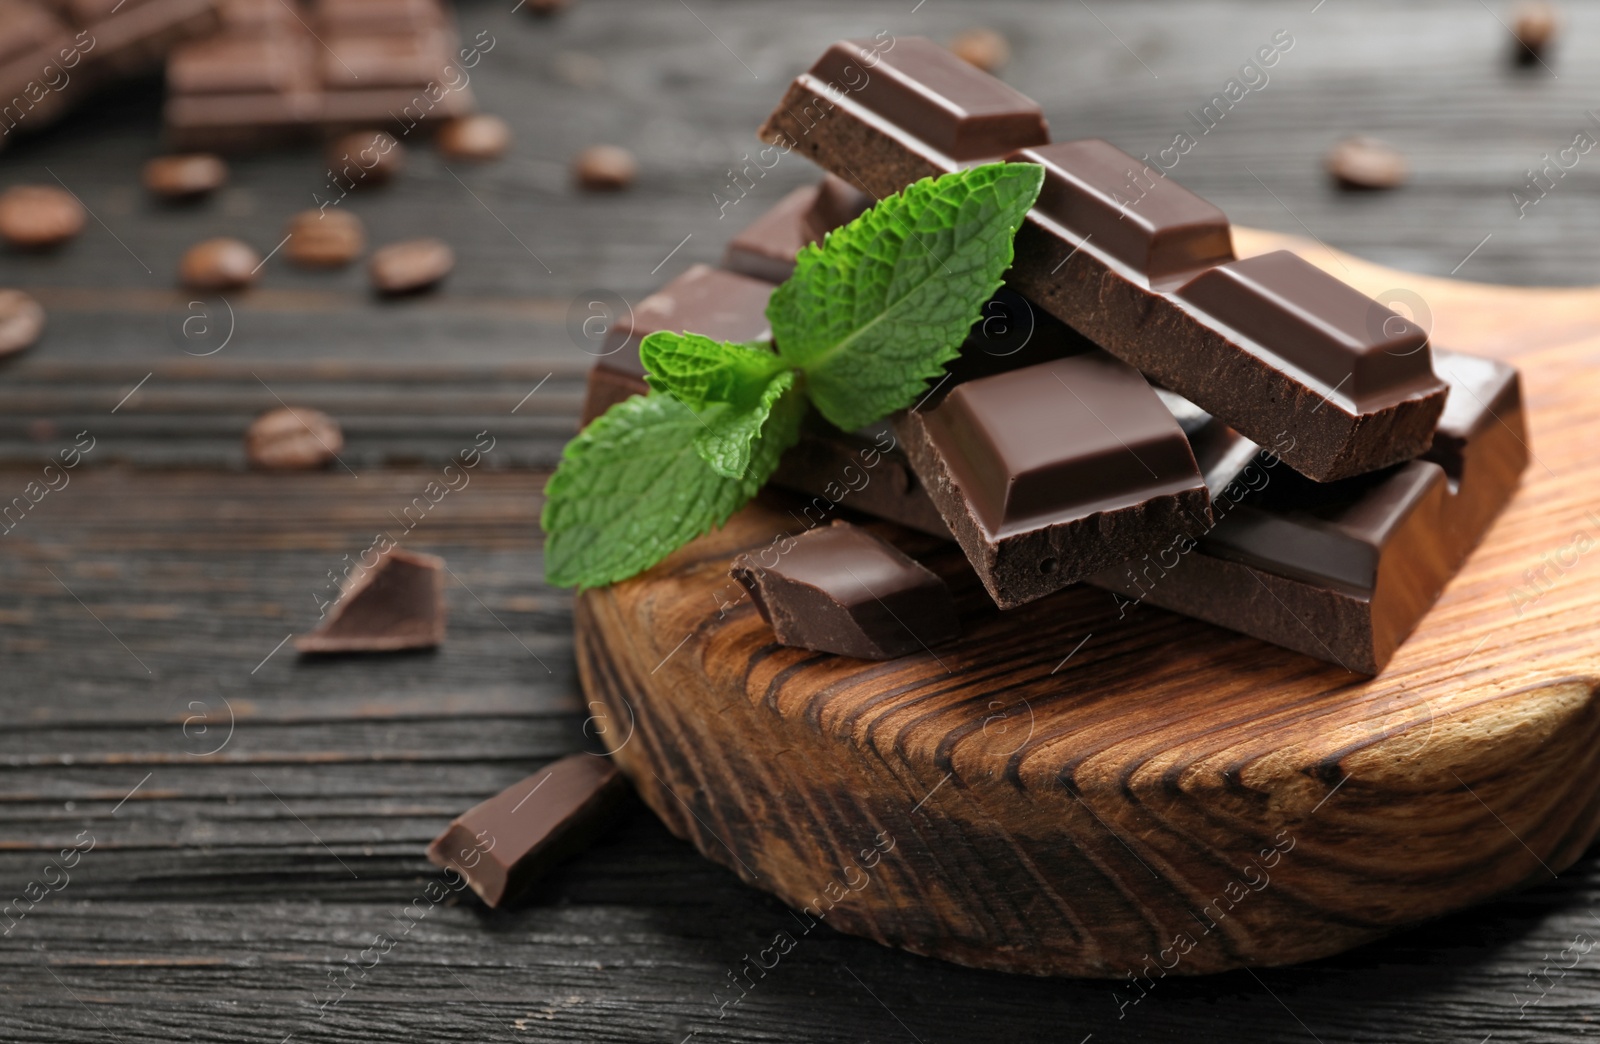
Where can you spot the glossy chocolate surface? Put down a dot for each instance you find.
(503, 845)
(1147, 221)
(1059, 440)
(840, 589)
(1336, 334)
(920, 86)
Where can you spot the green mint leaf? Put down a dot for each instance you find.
(632, 487)
(698, 371)
(887, 300)
(730, 433)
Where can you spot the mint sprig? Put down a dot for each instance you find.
(868, 317)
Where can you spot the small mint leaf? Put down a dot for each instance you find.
(698, 371)
(886, 301)
(726, 442)
(631, 487)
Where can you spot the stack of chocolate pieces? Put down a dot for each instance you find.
(1248, 441)
(53, 54)
(281, 71)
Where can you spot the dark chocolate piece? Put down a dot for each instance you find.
(1342, 571)
(766, 248)
(839, 589)
(269, 77)
(1108, 242)
(397, 604)
(1051, 472)
(505, 844)
(883, 116)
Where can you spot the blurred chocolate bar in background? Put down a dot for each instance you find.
(54, 55)
(277, 72)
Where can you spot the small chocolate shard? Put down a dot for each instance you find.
(505, 844)
(840, 589)
(397, 604)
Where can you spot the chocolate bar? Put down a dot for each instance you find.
(1141, 266)
(1342, 571)
(505, 844)
(1051, 472)
(766, 248)
(841, 590)
(275, 76)
(53, 56)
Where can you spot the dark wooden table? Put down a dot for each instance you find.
(257, 820)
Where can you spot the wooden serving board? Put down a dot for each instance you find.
(1063, 792)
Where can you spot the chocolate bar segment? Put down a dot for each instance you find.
(839, 589)
(1051, 472)
(505, 844)
(1103, 249)
(882, 116)
(1342, 571)
(342, 65)
(1160, 232)
(1343, 339)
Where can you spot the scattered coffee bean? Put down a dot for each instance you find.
(329, 238)
(185, 177)
(605, 168)
(546, 8)
(34, 217)
(219, 264)
(21, 321)
(1533, 26)
(293, 439)
(43, 429)
(410, 266)
(985, 48)
(1366, 163)
(481, 137)
(365, 158)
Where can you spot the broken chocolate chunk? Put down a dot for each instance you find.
(839, 589)
(397, 604)
(505, 844)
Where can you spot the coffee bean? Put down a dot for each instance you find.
(185, 177)
(984, 48)
(1533, 25)
(1367, 163)
(410, 266)
(328, 238)
(365, 158)
(293, 439)
(34, 217)
(605, 168)
(21, 321)
(479, 137)
(219, 264)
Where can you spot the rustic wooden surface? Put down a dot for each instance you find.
(1125, 794)
(207, 910)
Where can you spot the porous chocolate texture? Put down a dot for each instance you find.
(1140, 265)
(840, 589)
